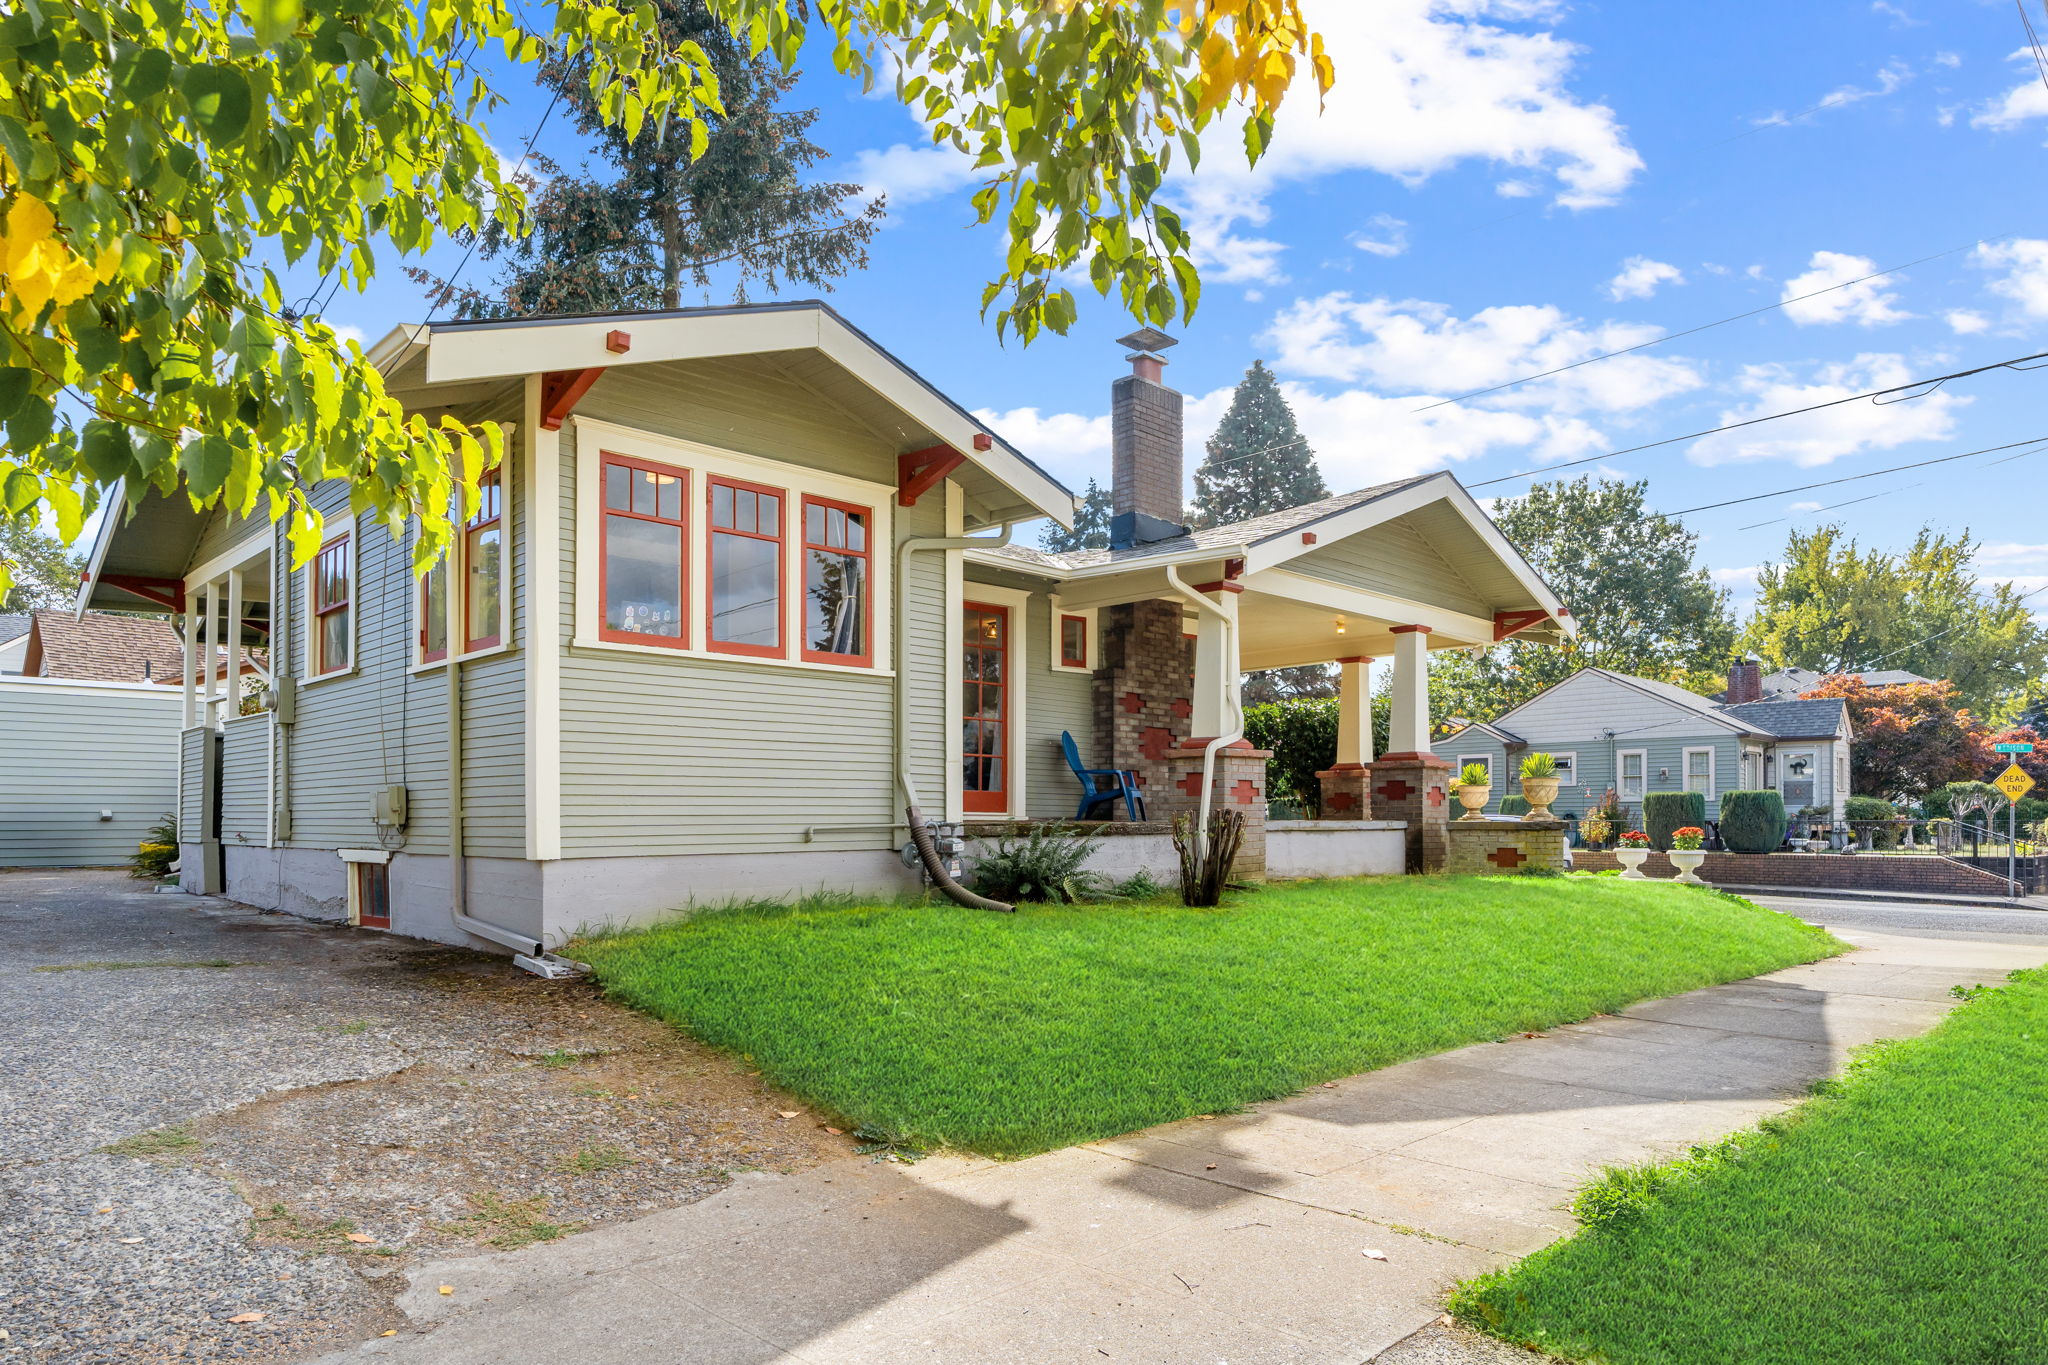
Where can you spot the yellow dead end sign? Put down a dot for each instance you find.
(2014, 782)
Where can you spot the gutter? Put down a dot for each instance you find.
(1232, 699)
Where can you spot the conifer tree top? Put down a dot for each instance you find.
(1258, 461)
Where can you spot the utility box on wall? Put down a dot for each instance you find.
(390, 807)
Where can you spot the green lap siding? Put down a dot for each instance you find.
(70, 751)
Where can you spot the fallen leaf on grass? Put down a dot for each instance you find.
(789, 1113)
(1329, 1085)
(1376, 1253)
(447, 1289)
(361, 1237)
(835, 1132)
(389, 1332)
(248, 1317)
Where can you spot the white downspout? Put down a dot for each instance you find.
(1233, 702)
(458, 888)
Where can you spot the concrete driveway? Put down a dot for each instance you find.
(211, 1112)
(1320, 1228)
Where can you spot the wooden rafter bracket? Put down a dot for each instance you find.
(1506, 623)
(920, 471)
(561, 391)
(167, 593)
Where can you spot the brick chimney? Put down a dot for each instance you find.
(1745, 682)
(1145, 446)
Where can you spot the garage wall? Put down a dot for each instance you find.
(70, 750)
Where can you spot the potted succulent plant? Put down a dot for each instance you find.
(1629, 851)
(1688, 851)
(1539, 785)
(1473, 786)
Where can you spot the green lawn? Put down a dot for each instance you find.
(1013, 1034)
(1899, 1219)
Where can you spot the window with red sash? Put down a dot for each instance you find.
(646, 564)
(837, 557)
(333, 596)
(744, 584)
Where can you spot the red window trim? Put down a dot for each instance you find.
(866, 658)
(480, 522)
(780, 649)
(1067, 660)
(322, 608)
(680, 640)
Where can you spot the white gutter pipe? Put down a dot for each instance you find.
(920, 832)
(458, 888)
(1233, 700)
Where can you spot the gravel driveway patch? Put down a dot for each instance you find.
(290, 1131)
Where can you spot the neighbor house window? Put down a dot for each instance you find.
(1633, 764)
(1567, 771)
(1699, 771)
(1483, 760)
(483, 548)
(1073, 641)
(644, 559)
(745, 590)
(837, 577)
(333, 580)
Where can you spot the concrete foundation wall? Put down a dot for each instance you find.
(1336, 848)
(313, 884)
(591, 892)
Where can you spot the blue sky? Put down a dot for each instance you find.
(1500, 186)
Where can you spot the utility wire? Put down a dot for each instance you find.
(1875, 473)
(1706, 326)
(1926, 386)
(2033, 40)
(1816, 511)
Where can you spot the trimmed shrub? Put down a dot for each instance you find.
(1664, 812)
(1872, 808)
(1302, 736)
(1514, 805)
(1752, 822)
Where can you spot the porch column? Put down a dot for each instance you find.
(1216, 669)
(1408, 731)
(233, 663)
(1410, 783)
(191, 663)
(1345, 786)
(209, 647)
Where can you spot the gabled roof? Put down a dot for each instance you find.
(1790, 682)
(103, 648)
(1506, 738)
(1793, 719)
(12, 628)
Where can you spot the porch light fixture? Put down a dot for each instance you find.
(1340, 625)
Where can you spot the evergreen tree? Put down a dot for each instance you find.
(1091, 524)
(664, 222)
(1257, 461)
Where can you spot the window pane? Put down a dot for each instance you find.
(857, 532)
(814, 524)
(668, 501)
(835, 603)
(334, 640)
(743, 513)
(835, 526)
(483, 605)
(643, 492)
(617, 487)
(434, 611)
(1073, 639)
(721, 505)
(643, 574)
(770, 517)
(744, 591)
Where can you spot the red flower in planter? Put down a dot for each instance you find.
(1689, 839)
(1634, 838)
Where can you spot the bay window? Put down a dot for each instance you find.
(644, 559)
(836, 582)
(333, 632)
(745, 588)
(483, 548)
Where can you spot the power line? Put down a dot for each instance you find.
(1875, 473)
(2033, 40)
(1926, 386)
(1707, 326)
(1816, 511)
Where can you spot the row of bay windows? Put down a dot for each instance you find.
(651, 548)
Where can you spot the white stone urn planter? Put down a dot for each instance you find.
(1687, 861)
(1539, 792)
(1631, 860)
(1474, 800)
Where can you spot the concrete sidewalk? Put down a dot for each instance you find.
(1320, 1228)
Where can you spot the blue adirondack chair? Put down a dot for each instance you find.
(1122, 782)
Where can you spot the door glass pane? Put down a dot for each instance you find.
(745, 588)
(643, 575)
(835, 602)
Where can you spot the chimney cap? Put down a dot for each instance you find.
(1148, 339)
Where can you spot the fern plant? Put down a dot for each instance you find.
(1045, 864)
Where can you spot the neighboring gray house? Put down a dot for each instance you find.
(1639, 736)
(13, 643)
(1787, 684)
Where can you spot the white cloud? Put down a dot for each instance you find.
(1899, 17)
(1805, 507)
(1423, 86)
(1743, 579)
(1419, 347)
(2012, 552)
(1889, 78)
(1391, 241)
(1866, 304)
(1071, 446)
(1951, 60)
(1965, 322)
(1816, 438)
(2027, 100)
(911, 175)
(2025, 582)
(1640, 277)
(2024, 263)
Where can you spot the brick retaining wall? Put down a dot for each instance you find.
(1927, 874)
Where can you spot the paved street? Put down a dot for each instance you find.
(1320, 1228)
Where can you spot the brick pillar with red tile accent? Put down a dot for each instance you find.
(1239, 782)
(1415, 788)
(1347, 792)
(1141, 693)
(1493, 848)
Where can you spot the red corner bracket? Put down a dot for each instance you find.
(920, 471)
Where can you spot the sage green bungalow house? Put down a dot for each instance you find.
(738, 598)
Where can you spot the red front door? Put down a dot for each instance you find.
(985, 710)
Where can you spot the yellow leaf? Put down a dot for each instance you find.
(248, 1317)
